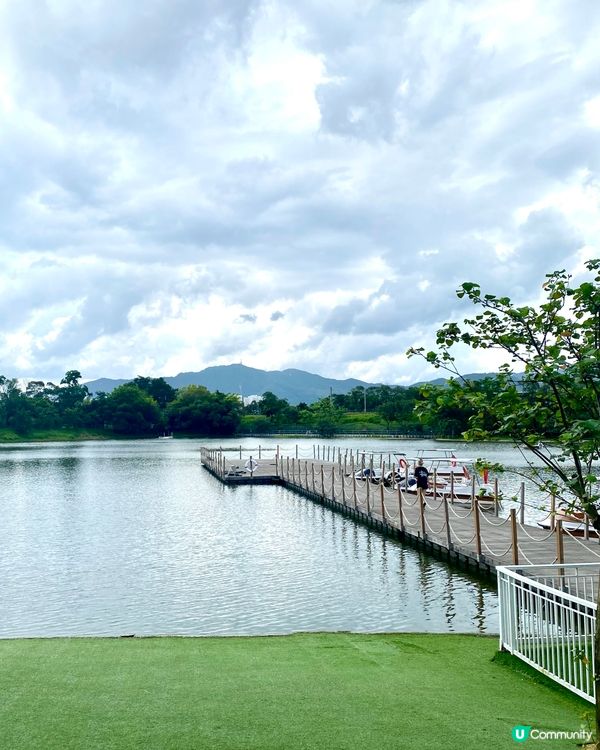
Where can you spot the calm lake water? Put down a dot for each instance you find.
(110, 538)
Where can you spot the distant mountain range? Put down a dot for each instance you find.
(294, 385)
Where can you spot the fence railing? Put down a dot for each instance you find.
(548, 619)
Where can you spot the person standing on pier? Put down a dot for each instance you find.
(422, 476)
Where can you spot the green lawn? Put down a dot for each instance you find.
(303, 691)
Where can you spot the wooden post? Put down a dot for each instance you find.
(296, 450)
(259, 449)
(240, 452)
(477, 528)
(318, 451)
(333, 483)
(322, 483)
(368, 495)
(287, 466)
(513, 534)
(312, 475)
(452, 487)
(522, 509)
(473, 491)
(552, 511)
(447, 521)
(382, 503)
(421, 497)
(400, 507)
(305, 475)
(496, 497)
(342, 478)
(314, 451)
(434, 485)
(354, 488)
(560, 550)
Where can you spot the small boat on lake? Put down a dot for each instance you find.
(443, 461)
(459, 494)
(573, 522)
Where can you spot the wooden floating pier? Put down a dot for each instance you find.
(466, 535)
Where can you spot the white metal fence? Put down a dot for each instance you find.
(548, 617)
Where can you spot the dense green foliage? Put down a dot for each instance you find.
(144, 407)
(390, 409)
(150, 406)
(331, 691)
(196, 410)
(557, 344)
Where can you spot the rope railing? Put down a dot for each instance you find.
(392, 516)
(492, 523)
(568, 533)
(433, 531)
(458, 515)
(527, 560)
(496, 554)
(461, 541)
(536, 538)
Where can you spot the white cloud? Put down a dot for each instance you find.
(287, 184)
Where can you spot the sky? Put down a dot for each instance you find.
(285, 183)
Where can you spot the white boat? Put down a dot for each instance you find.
(459, 494)
(165, 437)
(374, 475)
(573, 522)
(444, 462)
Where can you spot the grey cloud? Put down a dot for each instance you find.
(131, 139)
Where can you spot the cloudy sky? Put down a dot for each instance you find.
(285, 183)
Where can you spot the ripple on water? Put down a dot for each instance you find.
(134, 537)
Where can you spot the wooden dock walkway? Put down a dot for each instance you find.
(467, 535)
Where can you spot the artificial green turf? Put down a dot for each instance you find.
(325, 691)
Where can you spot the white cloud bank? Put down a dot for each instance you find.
(287, 184)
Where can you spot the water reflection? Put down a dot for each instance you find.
(134, 537)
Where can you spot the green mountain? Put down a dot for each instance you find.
(293, 385)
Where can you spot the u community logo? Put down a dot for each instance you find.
(521, 732)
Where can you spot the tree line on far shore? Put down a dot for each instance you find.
(150, 406)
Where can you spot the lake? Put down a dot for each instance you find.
(134, 537)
